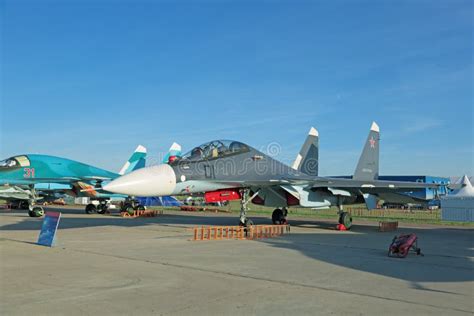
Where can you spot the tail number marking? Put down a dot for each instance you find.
(29, 173)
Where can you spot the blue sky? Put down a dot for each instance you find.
(92, 80)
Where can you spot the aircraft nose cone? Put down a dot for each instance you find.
(152, 181)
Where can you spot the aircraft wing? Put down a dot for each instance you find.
(98, 179)
(14, 193)
(372, 186)
(61, 180)
(259, 183)
(38, 180)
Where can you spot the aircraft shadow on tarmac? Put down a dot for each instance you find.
(448, 251)
(368, 252)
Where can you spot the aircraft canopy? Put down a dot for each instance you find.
(215, 149)
(15, 162)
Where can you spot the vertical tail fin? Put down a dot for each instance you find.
(174, 151)
(368, 166)
(307, 160)
(136, 161)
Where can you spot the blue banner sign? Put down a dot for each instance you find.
(49, 228)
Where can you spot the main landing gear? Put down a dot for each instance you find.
(99, 207)
(102, 206)
(279, 216)
(345, 218)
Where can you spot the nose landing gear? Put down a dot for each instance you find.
(244, 201)
(33, 210)
(132, 205)
(36, 211)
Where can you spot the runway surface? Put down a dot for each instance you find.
(112, 265)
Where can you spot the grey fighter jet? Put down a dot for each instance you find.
(229, 170)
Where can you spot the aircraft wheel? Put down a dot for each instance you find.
(129, 209)
(36, 211)
(102, 209)
(91, 209)
(278, 217)
(345, 219)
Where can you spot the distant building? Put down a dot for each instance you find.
(426, 194)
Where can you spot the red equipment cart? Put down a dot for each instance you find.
(402, 244)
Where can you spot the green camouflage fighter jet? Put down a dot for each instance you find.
(20, 174)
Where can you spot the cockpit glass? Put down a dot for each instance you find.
(15, 162)
(215, 149)
(8, 163)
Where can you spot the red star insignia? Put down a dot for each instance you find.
(372, 142)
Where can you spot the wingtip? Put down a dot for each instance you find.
(313, 132)
(375, 127)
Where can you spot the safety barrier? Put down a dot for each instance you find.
(388, 226)
(142, 213)
(239, 232)
(189, 208)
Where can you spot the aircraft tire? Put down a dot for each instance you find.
(346, 219)
(129, 209)
(91, 209)
(277, 217)
(36, 211)
(102, 209)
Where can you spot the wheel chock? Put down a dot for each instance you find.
(341, 227)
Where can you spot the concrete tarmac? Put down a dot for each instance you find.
(148, 266)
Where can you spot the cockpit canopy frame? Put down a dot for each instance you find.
(15, 162)
(215, 149)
